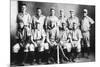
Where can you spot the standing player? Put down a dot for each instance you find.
(52, 31)
(72, 19)
(38, 33)
(24, 17)
(85, 27)
(62, 19)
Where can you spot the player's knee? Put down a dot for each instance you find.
(16, 48)
(88, 44)
(41, 49)
(69, 50)
(79, 49)
(46, 46)
(27, 47)
(31, 47)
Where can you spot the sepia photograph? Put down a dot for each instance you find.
(45, 33)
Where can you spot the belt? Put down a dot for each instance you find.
(85, 31)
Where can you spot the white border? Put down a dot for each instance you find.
(5, 33)
(85, 2)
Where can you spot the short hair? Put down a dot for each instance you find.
(38, 8)
(61, 10)
(24, 5)
(52, 9)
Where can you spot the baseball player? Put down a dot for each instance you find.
(45, 48)
(85, 27)
(62, 19)
(65, 40)
(52, 31)
(24, 17)
(72, 19)
(39, 33)
(76, 40)
(52, 25)
(30, 47)
(18, 48)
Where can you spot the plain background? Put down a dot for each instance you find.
(5, 33)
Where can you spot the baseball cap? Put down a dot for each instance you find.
(85, 10)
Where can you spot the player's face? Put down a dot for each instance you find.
(24, 8)
(71, 14)
(21, 25)
(52, 12)
(61, 13)
(85, 13)
(39, 12)
(75, 26)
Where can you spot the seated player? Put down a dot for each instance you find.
(18, 48)
(30, 47)
(45, 48)
(76, 40)
(86, 23)
(65, 40)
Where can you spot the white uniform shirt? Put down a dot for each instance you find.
(51, 21)
(63, 35)
(39, 21)
(25, 18)
(61, 21)
(71, 21)
(76, 34)
(86, 22)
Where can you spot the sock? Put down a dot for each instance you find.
(24, 57)
(40, 57)
(88, 51)
(30, 57)
(78, 54)
(14, 58)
